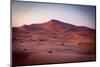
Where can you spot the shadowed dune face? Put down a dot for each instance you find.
(53, 42)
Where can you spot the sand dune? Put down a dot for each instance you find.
(53, 42)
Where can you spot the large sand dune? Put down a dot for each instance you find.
(52, 42)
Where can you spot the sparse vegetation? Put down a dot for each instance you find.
(42, 40)
(63, 44)
(49, 51)
(25, 49)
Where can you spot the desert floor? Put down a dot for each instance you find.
(27, 53)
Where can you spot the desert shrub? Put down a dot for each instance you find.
(49, 51)
(63, 44)
(79, 43)
(25, 49)
(54, 37)
(42, 40)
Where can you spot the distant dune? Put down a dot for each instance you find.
(53, 42)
